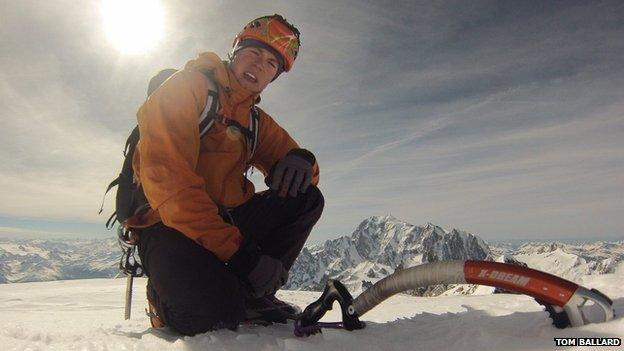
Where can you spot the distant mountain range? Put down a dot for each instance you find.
(44, 260)
(377, 247)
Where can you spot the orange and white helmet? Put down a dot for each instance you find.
(279, 36)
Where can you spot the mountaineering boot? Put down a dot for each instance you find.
(269, 309)
(290, 309)
(151, 311)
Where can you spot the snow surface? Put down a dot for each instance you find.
(88, 315)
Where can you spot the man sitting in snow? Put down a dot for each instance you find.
(214, 250)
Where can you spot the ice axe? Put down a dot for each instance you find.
(564, 300)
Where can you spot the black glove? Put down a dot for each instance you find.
(293, 173)
(267, 276)
(262, 274)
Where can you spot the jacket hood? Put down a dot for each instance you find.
(211, 62)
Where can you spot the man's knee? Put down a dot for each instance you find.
(314, 200)
(197, 301)
(199, 316)
(196, 292)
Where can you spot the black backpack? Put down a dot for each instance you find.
(130, 199)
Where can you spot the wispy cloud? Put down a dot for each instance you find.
(502, 118)
(22, 233)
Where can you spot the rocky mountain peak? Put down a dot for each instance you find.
(379, 245)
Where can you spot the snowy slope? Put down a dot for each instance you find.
(87, 315)
(571, 261)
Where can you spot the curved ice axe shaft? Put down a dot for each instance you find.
(544, 287)
(540, 285)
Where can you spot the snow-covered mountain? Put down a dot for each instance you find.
(45, 260)
(380, 245)
(376, 248)
(570, 261)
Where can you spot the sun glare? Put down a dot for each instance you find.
(133, 26)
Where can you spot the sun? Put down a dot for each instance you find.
(133, 26)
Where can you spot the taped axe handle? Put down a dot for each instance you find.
(444, 272)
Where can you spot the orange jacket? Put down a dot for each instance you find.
(183, 177)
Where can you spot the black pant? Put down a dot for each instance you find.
(193, 290)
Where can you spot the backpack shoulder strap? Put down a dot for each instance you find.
(254, 128)
(209, 114)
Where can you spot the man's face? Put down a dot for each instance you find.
(254, 68)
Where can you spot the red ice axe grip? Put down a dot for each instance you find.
(543, 286)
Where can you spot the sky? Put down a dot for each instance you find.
(501, 118)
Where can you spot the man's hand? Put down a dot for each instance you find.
(267, 276)
(260, 273)
(292, 174)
